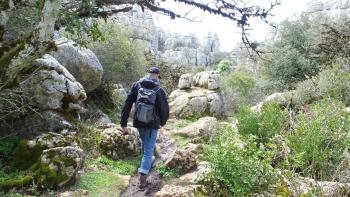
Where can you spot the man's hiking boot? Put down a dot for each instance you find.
(142, 180)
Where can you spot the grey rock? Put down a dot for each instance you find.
(205, 128)
(185, 81)
(116, 145)
(82, 63)
(59, 166)
(47, 88)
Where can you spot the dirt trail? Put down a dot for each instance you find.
(165, 146)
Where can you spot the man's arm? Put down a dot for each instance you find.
(163, 107)
(132, 96)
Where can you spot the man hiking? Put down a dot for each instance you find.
(151, 114)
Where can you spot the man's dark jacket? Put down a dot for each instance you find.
(161, 105)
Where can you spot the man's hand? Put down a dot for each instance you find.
(124, 130)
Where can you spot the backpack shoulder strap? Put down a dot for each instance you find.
(156, 89)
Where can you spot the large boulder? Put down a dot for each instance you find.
(28, 151)
(52, 87)
(185, 81)
(198, 176)
(205, 128)
(41, 122)
(59, 166)
(186, 159)
(281, 98)
(116, 145)
(81, 62)
(207, 79)
(180, 191)
(196, 101)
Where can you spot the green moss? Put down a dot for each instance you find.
(48, 178)
(24, 156)
(67, 161)
(8, 184)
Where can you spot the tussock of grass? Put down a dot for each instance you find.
(127, 166)
(181, 140)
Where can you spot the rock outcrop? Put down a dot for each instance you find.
(59, 166)
(82, 63)
(53, 86)
(176, 48)
(329, 7)
(116, 145)
(186, 159)
(205, 128)
(198, 100)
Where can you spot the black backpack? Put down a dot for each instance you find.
(145, 104)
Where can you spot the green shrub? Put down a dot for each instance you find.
(242, 82)
(245, 170)
(293, 56)
(270, 121)
(223, 66)
(319, 139)
(8, 144)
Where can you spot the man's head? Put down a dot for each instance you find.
(154, 72)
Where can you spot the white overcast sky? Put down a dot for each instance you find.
(227, 30)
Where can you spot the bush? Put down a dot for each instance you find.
(293, 56)
(319, 139)
(242, 82)
(223, 66)
(271, 121)
(333, 82)
(245, 170)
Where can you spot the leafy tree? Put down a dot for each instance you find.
(293, 57)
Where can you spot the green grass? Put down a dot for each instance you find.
(101, 183)
(166, 172)
(181, 140)
(126, 166)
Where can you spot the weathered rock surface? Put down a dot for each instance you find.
(280, 98)
(196, 101)
(329, 7)
(76, 193)
(185, 81)
(207, 79)
(28, 151)
(299, 186)
(59, 166)
(197, 176)
(53, 87)
(82, 63)
(100, 118)
(204, 128)
(116, 145)
(185, 159)
(180, 191)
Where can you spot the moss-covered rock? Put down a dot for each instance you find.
(115, 145)
(28, 152)
(59, 166)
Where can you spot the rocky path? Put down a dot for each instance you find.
(164, 147)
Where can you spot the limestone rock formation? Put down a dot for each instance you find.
(116, 145)
(185, 159)
(197, 176)
(197, 100)
(185, 81)
(59, 166)
(28, 151)
(82, 63)
(53, 86)
(205, 128)
(280, 98)
(207, 79)
(299, 186)
(180, 191)
(330, 7)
